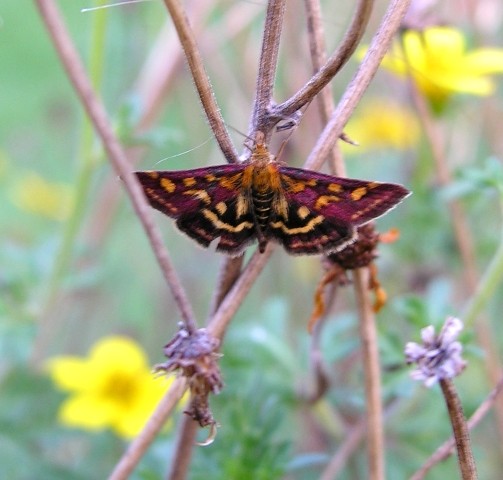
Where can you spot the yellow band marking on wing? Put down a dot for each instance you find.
(152, 174)
(210, 177)
(168, 185)
(217, 223)
(294, 231)
(221, 208)
(358, 193)
(189, 181)
(201, 194)
(324, 200)
(280, 206)
(242, 205)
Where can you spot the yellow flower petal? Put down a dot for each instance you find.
(381, 124)
(70, 373)
(118, 352)
(440, 65)
(87, 411)
(484, 61)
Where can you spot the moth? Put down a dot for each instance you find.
(263, 199)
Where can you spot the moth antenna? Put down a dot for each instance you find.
(184, 152)
(283, 144)
(90, 9)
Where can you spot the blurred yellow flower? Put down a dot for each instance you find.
(382, 124)
(113, 387)
(440, 64)
(33, 194)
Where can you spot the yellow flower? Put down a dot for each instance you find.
(113, 387)
(382, 124)
(32, 193)
(441, 65)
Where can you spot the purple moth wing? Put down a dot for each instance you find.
(207, 203)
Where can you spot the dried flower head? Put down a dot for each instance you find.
(439, 357)
(195, 356)
(359, 253)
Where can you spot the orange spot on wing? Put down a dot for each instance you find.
(325, 200)
(168, 185)
(358, 193)
(334, 187)
(189, 181)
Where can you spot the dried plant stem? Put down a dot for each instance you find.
(326, 73)
(267, 66)
(139, 445)
(460, 429)
(380, 43)
(220, 320)
(229, 272)
(446, 449)
(371, 367)
(48, 322)
(318, 58)
(162, 63)
(204, 90)
(481, 291)
(78, 76)
(184, 447)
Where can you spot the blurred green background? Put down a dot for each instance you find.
(75, 265)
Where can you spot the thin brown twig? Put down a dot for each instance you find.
(140, 444)
(372, 374)
(202, 83)
(355, 90)
(460, 429)
(184, 447)
(229, 273)
(446, 449)
(326, 73)
(162, 63)
(267, 66)
(220, 320)
(318, 58)
(74, 67)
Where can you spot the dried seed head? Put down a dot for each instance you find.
(359, 253)
(439, 356)
(195, 356)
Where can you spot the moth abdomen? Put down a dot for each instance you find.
(262, 202)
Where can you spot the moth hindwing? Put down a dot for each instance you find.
(305, 211)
